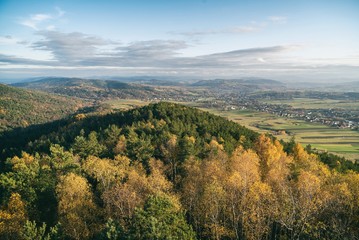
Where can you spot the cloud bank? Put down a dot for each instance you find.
(79, 54)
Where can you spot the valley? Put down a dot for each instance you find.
(328, 121)
(157, 142)
(156, 120)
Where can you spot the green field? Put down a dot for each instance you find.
(344, 142)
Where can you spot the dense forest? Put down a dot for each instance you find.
(22, 108)
(166, 171)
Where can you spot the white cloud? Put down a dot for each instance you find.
(79, 49)
(36, 21)
(69, 47)
(81, 52)
(29, 23)
(40, 17)
(152, 49)
(278, 19)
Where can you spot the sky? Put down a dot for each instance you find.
(288, 40)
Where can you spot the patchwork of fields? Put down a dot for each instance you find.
(344, 142)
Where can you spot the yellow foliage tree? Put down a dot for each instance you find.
(132, 190)
(170, 152)
(243, 170)
(77, 211)
(310, 201)
(258, 211)
(105, 171)
(12, 217)
(274, 161)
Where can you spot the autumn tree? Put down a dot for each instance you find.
(243, 172)
(257, 214)
(203, 192)
(339, 215)
(133, 188)
(106, 171)
(170, 153)
(23, 179)
(273, 160)
(12, 217)
(120, 145)
(77, 211)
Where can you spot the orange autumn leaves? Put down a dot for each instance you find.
(247, 194)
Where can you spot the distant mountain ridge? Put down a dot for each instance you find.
(147, 88)
(247, 81)
(87, 88)
(243, 85)
(54, 82)
(102, 90)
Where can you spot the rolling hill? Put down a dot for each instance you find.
(22, 108)
(93, 89)
(167, 171)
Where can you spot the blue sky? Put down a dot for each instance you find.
(306, 40)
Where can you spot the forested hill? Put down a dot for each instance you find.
(53, 83)
(166, 171)
(157, 121)
(21, 108)
(93, 89)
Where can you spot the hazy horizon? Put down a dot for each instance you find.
(314, 41)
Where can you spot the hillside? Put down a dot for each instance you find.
(54, 83)
(181, 121)
(167, 171)
(148, 89)
(21, 108)
(97, 89)
(152, 81)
